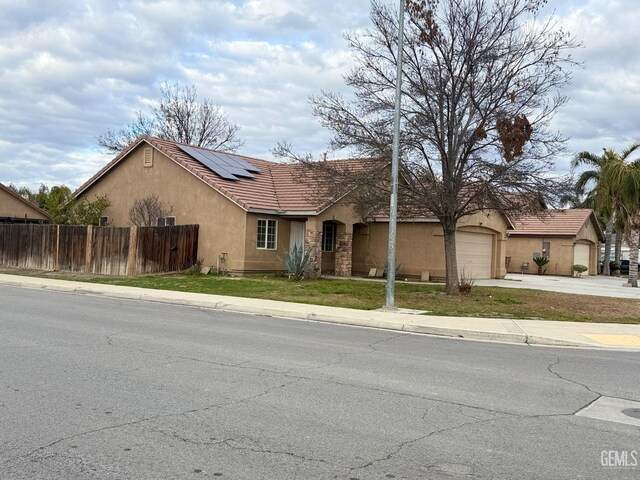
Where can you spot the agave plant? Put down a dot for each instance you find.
(297, 261)
(541, 262)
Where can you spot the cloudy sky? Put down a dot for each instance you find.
(69, 70)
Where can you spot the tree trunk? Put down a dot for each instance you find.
(450, 257)
(633, 257)
(618, 254)
(607, 247)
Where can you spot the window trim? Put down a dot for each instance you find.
(333, 236)
(265, 243)
(106, 221)
(164, 221)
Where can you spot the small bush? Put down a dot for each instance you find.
(465, 283)
(297, 262)
(196, 268)
(613, 266)
(578, 270)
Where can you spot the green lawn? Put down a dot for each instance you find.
(482, 302)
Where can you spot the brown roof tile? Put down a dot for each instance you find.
(276, 188)
(555, 223)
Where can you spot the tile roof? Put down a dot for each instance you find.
(276, 188)
(24, 200)
(555, 223)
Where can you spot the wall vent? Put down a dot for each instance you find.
(148, 157)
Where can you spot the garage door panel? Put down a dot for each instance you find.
(582, 255)
(475, 254)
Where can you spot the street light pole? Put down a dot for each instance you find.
(395, 160)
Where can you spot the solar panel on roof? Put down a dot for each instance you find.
(213, 166)
(235, 159)
(222, 164)
(232, 168)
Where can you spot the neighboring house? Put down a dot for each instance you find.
(566, 237)
(16, 209)
(251, 211)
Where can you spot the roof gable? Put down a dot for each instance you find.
(24, 200)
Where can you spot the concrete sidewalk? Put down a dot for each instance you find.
(533, 332)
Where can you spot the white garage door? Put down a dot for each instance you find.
(581, 255)
(474, 254)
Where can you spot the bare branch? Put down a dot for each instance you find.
(482, 82)
(146, 211)
(178, 115)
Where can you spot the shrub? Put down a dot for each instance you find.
(297, 261)
(613, 266)
(578, 270)
(541, 262)
(196, 268)
(466, 282)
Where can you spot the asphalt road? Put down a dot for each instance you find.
(95, 388)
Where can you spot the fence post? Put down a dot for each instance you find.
(57, 258)
(88, 251)
(133, 251)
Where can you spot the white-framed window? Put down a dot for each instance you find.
(328, 236)
(103, 221)
(166, 221)
(267, 234)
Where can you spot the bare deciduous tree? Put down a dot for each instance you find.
(481, 82)
(180, 116)
(146, 211)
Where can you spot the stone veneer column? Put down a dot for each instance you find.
(344, 245)
(312, 244)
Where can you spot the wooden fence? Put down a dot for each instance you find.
(99, 250)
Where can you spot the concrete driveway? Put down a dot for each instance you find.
(592, 285)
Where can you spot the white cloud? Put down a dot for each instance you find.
(70, 70)
(605, 95)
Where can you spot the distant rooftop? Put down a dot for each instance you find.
(555, 223)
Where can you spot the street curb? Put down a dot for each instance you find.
(359, 318)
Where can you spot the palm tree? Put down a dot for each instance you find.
(603, 194)
(586, 195)
(620, 180)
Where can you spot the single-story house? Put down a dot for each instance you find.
(251, 211)
(16, 209)
(567, 237)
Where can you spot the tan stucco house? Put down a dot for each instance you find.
(251, 211)
(15, 209)
(567, 237)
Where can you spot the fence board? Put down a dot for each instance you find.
(72, 249)
(166, 249)
(98, 250)
(21, 245)
(110, 250)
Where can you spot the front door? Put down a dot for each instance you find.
(297, 234)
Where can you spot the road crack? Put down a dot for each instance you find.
(147, 419)
(583, 385)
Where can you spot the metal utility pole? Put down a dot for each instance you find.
(395, 160)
